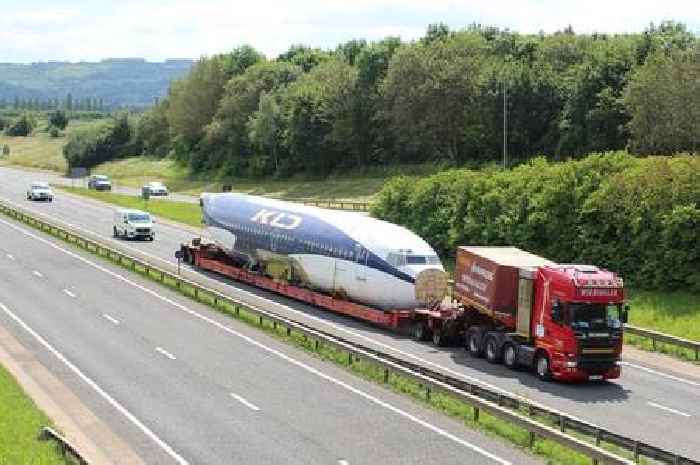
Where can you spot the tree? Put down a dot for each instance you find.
(318, 118)
(153, 131)
(194, 100)
(58, 119)
(240, 59)
(305, 57)
(428, 93)
(226, 140)
(663, 99)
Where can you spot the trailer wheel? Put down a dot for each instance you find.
(474, 342)
(542, 366)
(421, 332)
(494, 353)
(439, 338)
(510, 356)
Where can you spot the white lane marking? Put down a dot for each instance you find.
(343, 462)
(268, 349)
(37, 274)
(166, 353)
(69, 293)
(659, 373)
(113, 402)
(668, 409)
(111, 319)
(245, 402)
(11, 257)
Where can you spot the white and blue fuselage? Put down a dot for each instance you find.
(368, 260)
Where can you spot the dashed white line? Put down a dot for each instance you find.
(308, 368)
(114, 403)
(111, 319)
(10, 257)
(659, 373)
(668, 409)
(166, 353)
(37, 274)
(343, 462)
(245, 402)
(68, 293)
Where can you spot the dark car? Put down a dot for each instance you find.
(99, 182)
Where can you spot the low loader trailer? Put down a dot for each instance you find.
(498, 309)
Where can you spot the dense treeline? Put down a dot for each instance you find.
(438, 99)
(638, 216)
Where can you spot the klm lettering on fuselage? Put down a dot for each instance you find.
(277, 219)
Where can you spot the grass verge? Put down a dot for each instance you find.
(182, 212)
(366, 369)
(673, 312)
(20, 422)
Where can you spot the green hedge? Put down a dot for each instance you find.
(637, 216)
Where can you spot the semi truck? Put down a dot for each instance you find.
(507, 305)
(565, 321)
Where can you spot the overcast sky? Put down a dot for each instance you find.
(156, 29)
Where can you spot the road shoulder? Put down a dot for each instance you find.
(98, 443)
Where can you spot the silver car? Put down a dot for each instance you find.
(155, 188)
(40, 191)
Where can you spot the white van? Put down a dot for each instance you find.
(133, 224)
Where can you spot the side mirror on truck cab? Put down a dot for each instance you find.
(625, 314)
(557, 312)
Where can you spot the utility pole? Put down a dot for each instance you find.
(505, 125)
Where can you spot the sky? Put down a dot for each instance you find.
(89, 30)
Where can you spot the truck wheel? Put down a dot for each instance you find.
(510, 356)
(114, 231)
(421, 332)
(542, 367)
(493, 351)
(474, 343)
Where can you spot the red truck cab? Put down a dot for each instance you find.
(563, 321)
(577, 322)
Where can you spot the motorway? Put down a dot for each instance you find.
(182, 384)
(646, 403)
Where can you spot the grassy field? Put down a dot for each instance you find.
(135, 172)
(187, 213)
(39, 150)
(20, 422)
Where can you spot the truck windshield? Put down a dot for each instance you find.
(594, 316)
(139, 217)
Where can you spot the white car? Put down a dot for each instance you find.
(155, 188)
(40, 191)
(133, 224)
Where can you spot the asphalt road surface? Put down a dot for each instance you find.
(182, 384)
(648, 404)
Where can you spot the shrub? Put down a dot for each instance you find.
(58, 119)
(640, 217)
(99, 142)
(22, 127)
(5, 150)
(54, 132)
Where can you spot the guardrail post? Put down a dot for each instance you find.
(427, 393)
(476, 414)
(386, 375)
(349, 358)
(635, 451)
(697, 353)
(531, 442)
(653, 343)
(316, 345)
(289, 331)
(260, 320)
(562, 423)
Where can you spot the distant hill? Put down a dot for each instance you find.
(119, 82)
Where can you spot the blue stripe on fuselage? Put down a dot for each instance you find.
(257, 226)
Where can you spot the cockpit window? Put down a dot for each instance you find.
(399, 259)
